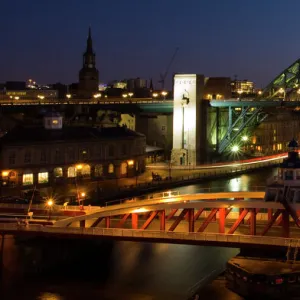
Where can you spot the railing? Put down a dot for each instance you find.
(159, 235)
(170, 194)
(49, 101)
(45, 207)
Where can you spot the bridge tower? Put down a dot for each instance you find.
(88, 75)
(189, 126)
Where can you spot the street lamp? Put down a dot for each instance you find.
(49, 203)
(41, 97)
(240, 92)
(235, 148)
(164, 93)
(130, 95)
(124, 95)
(97, 95)
(244, 138)
(68, 96)
(154, 95)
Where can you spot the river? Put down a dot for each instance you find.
(50, 269)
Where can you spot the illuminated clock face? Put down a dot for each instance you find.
(90, 65)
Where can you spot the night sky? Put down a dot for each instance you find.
(44, 40)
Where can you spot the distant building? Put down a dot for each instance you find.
(217, 88)
(53, 153)
(242, 87)
(88, 75)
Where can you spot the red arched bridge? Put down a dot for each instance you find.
(232, 219)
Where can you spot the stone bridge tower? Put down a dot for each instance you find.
(189, 120)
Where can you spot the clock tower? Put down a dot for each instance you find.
(88, 75)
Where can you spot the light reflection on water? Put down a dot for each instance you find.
(141, 271)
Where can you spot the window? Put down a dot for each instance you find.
(58, 172)
(124, 149)
(111, 169)
(71, 172)
(43, 155)
(123, 168)
(27, 158)
(71, 154)
(98, 170)
(58, 155)
(12, 158)
(55, 122)
(43, 177)
(111, 150)
(27, 179)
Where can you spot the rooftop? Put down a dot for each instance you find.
(27, 135)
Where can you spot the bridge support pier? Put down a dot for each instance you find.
(82, 223)
(222, 218)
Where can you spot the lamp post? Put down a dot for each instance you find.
(98, 95)
(69, 96)
(154, 95)
(50, 205)
(164, 94)
(130, 95)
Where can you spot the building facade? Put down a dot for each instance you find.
(53, 153)
(88, 75)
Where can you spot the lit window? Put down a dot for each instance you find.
(111, 169)
(58, 172)
(54, 121)
(43, 177)
(27, 179)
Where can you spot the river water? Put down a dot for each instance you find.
(50, 269)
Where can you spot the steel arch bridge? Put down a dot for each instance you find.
(283, 92)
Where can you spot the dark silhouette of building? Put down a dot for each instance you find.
(88, 75)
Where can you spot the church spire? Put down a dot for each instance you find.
(89, 43)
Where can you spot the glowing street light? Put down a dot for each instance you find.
(154, 95)
(235, 148)
(130, 94)
(124, 95)
(259, 92)
(281, 90)
(97, 96)
(82, 194)
(244, 138)
(41, 97)
(164, 93)
(50, 202)
(68, 96)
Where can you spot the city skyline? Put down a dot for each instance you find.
(214, 39)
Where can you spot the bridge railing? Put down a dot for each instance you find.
(168, 194)
(154, 235)
(44, 207)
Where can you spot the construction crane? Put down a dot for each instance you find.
(164, 75)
